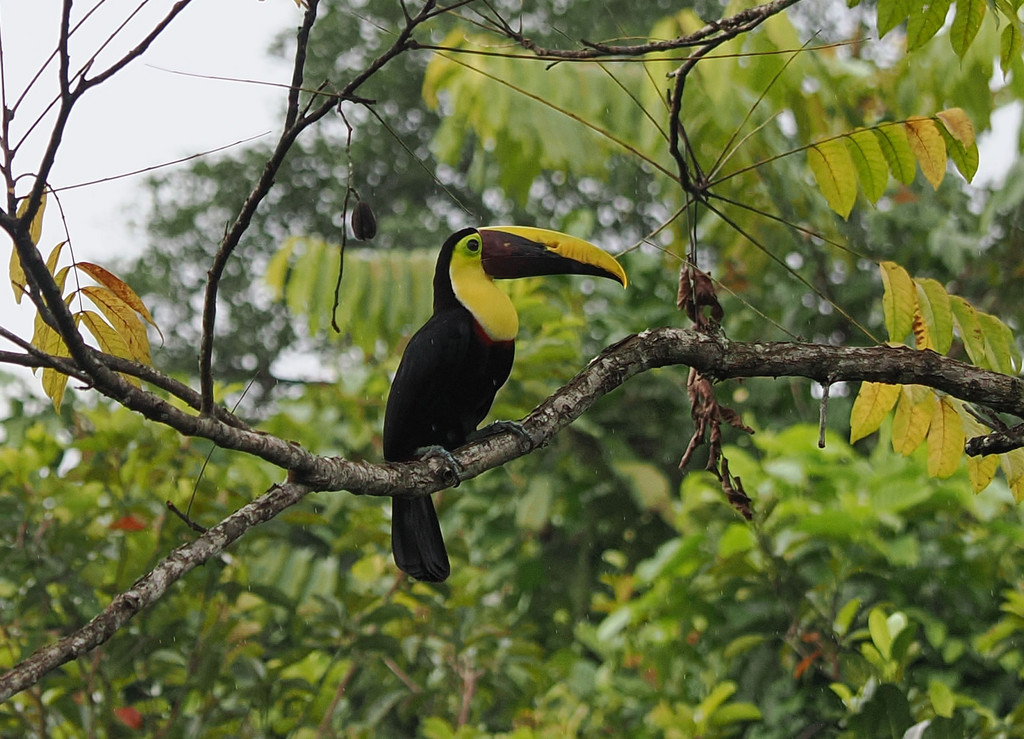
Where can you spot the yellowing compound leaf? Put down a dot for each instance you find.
(120, 288)
(836, 174)
(872, 169)
(870, 407)
(945, 439)
(928, 146)
(899, 300)
(892, 138)
(124, 320)
(912, 419)
(933, 307)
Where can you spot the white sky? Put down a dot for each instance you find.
(147, 116)
(144, 116)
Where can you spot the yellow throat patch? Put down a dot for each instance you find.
(488, 303)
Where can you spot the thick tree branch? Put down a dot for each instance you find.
(713, 357)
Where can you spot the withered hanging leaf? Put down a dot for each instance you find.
(124, 320)
(364, 222)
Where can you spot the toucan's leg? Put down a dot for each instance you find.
(453, 470)
(500, 427)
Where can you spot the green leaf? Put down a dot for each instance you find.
(1000, 348)
(899, 300)
(892, 138)
(533, 508)
(1011, 41)
(893, 12)
(966, 24)
(878, 628)
(933, 304)
(872, 169)
(942, 698)
(870, 407)
(928, 147)
(845, 616)
(836, 174)
(925, 23)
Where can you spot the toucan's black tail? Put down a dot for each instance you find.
(416, 540)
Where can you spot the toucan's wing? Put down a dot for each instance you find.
(426, 387)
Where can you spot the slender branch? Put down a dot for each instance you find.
(295, 124)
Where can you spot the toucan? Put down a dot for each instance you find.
(454, 364)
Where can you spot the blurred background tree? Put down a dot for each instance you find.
(596, 588)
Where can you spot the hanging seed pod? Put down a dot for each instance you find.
(364, 223)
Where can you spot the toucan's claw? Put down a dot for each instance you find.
(500, 427)
(452, 469)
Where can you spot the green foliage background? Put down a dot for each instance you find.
(596, 588)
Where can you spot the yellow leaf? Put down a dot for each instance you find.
(54, 383)
(980, 470)
(899, 300)
(120, 288)
(109, 340)
(124, 320)
(17, 275)
(912, 418)
(871, 406)
(16, 272)
(945, 439)
(958, 124)
(835, 173)
(35, 229)
(54, 257)
(927, 145)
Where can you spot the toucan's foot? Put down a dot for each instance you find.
(500, 427)
(453, 470)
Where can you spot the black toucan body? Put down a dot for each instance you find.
(453, 366)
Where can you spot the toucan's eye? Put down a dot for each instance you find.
(473, 245)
